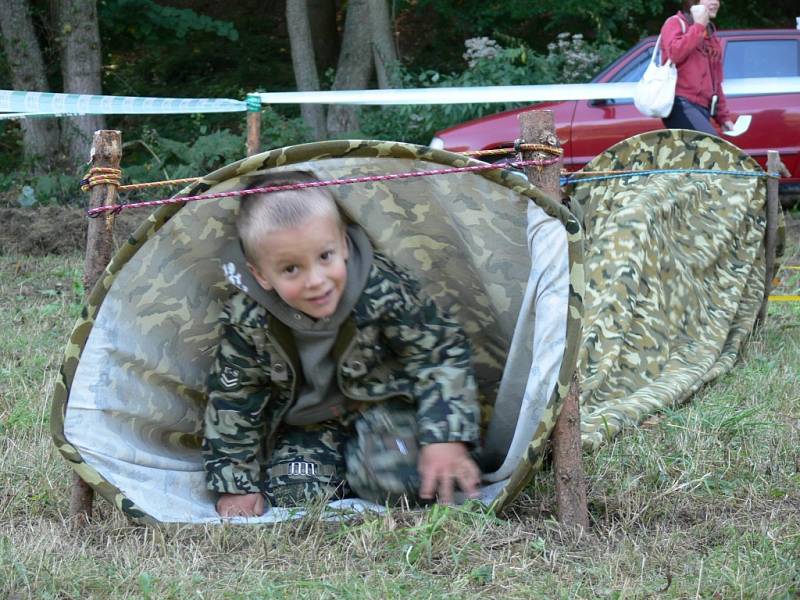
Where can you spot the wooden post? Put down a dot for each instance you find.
(771, 235)
(538, 127)
(106, 152)
(253, 124)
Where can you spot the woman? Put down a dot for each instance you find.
(688, 39)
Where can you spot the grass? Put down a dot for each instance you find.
(700, 501)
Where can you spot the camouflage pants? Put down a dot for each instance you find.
(372, 454)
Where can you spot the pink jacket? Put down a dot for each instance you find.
(697, 54)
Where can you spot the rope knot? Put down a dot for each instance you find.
(100, 176)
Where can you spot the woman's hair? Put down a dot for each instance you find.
(688, 4)
(260, 214)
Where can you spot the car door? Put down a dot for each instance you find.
(599, 124)
(776, 118)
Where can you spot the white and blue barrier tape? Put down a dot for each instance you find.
(41, 104)
(514, 93)
(24, 104)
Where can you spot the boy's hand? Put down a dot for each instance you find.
(240, 505)
(440, 465)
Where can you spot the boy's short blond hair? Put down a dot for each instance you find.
(261, 214)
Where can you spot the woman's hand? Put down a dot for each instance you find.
(240, 505)
(700, 14)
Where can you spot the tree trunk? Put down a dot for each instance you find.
(324, 33)
(24, 58)
(81, 69)
(355, 65)
(305, 70)
(383, 46)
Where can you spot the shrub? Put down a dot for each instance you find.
(570, 59)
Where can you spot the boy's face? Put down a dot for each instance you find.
(305, 265)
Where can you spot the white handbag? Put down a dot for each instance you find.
(655, 92)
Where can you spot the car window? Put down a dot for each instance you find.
(634, 70)
(762, 58)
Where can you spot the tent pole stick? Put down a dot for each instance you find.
(106, 152)
(538, 127)
(771, 235)
(253, 124)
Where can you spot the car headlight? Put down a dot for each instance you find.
(437, 143)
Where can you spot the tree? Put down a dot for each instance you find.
(81, 70)
(383, 46)
(354, 68)
(24, 56)
(305, 68)
(324, 33)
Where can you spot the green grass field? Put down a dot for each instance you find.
(701, 501)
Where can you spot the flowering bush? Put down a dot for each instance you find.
(570, 59)
(479, 48)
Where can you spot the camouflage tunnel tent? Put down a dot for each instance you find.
(673, 277)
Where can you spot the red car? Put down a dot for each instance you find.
(587, 127)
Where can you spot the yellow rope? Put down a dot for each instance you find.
(141, 186)
(786, 298)
(100, 176)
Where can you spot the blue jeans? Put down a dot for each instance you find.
(688, 115)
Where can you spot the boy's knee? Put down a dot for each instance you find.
(306, 466)
(382, 456)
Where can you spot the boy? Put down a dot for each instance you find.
(332, 375)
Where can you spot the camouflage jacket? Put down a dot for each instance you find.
(394, 344)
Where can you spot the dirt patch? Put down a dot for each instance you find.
(55, 230)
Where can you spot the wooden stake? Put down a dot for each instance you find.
(538, 127)
(771, 235)
(106, 152)
(253, 124)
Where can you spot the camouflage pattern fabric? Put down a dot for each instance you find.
(373, 453)
(151, 323)
(382, 456)
(307, 465)
(674, 275)
(395, 344)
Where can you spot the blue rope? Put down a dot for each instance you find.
(571, 180)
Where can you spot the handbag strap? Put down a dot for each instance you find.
(657, 49)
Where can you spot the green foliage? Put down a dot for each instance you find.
(24, 189)
(571, 59)
(145, 20)
(278, 131)
(603, 19)
(173, 159)
(55, 188)
(165, 157)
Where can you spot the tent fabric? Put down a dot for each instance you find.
(674, 271)
(673, 280)
(127, 411)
